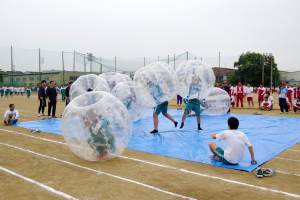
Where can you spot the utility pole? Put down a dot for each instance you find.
(219, 68)
(174, 61)
(271, 81)
(91, 63)
(63, 66)
(40, 64)
(74, 66)
(12, 65)
(84, 64)
(115, 63)
(187, 55)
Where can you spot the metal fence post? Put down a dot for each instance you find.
(12, 65)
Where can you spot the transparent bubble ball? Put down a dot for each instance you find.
(96, 126)
(196, 79)
(135, 98)
(218, 102)
(159, 79)
(112, 79)
(87, 83)
(127, 77)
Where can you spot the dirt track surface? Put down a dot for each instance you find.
(134, 175)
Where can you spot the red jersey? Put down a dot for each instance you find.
(261, 91)
(240, 89)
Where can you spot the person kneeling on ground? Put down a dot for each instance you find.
(11, 115)
(235, 145)
(297, 104)
(271, 99)
(266, 104)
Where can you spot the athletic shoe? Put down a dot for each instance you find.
(281, 112)
(35, 131)
(287, 113)
(5, 122)
(49, 117)
(259, 173)
(294, 112)
(39, 115)
(54, 117)
(43, 114)
(269, 172)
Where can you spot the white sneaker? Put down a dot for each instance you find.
(39, 115)
(43, 114)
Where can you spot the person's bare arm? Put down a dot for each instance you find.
(253, 161)
(213, 135)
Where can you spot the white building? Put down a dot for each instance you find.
(290, 77)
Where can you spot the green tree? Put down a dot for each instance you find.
(250, 70)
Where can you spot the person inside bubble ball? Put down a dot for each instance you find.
(157, 92)
(102, 138)
(129, 99)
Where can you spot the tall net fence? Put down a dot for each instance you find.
(28, 67)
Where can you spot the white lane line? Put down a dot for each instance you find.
(100, 172)
(38, 184)
(287, 159)
(293, 150)
(287, 173)
(182, 170)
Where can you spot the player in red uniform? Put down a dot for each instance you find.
(296, 104)
(240, 94)
(232, 101)
(298, 90)
(266, 105)
(295, 91)
(289, 94)
(261, 92)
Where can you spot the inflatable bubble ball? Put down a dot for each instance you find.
(218, 102)
(113, 78)
(159, 79)
(196, 79)
(127, 77)
(96, 126)
(135, 98)
(87, 83)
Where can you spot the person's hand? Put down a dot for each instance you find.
(253, 161)
(41, 98)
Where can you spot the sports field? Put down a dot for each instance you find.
(41, 166)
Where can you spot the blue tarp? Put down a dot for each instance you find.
(268, 135)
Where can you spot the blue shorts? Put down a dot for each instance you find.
(14, 122)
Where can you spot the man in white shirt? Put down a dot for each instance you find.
(249, 93)
(22, 90)
(266, 104)
(235, 145)
(11, 115)
(271, 99)
(11, 91)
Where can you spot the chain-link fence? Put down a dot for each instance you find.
(28, 67)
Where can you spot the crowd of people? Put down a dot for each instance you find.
(239, 93)
(10, 91)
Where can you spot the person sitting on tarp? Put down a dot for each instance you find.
(235, 145)
(11, 115)
(102, 138)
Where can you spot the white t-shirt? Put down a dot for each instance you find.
(11, 89)
(28, 89)
(15, 111)
(22, 89)
(271, 99)
(235, 145)
(232, 99)
(248, 90)
(269, 103)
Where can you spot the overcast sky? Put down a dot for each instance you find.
(151, 28)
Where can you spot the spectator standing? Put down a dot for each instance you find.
(42, 95)
(52, 99)
(63, 92)
(249, 93)
(68, 93)
(282, 98)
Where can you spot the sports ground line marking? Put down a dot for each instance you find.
(293, 150)
(100, 172)
(38, 184)
(183, 170)
(287, 159)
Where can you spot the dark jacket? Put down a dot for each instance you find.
(226, 88)
(51, 93)
(68, 91)
(42, 92)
